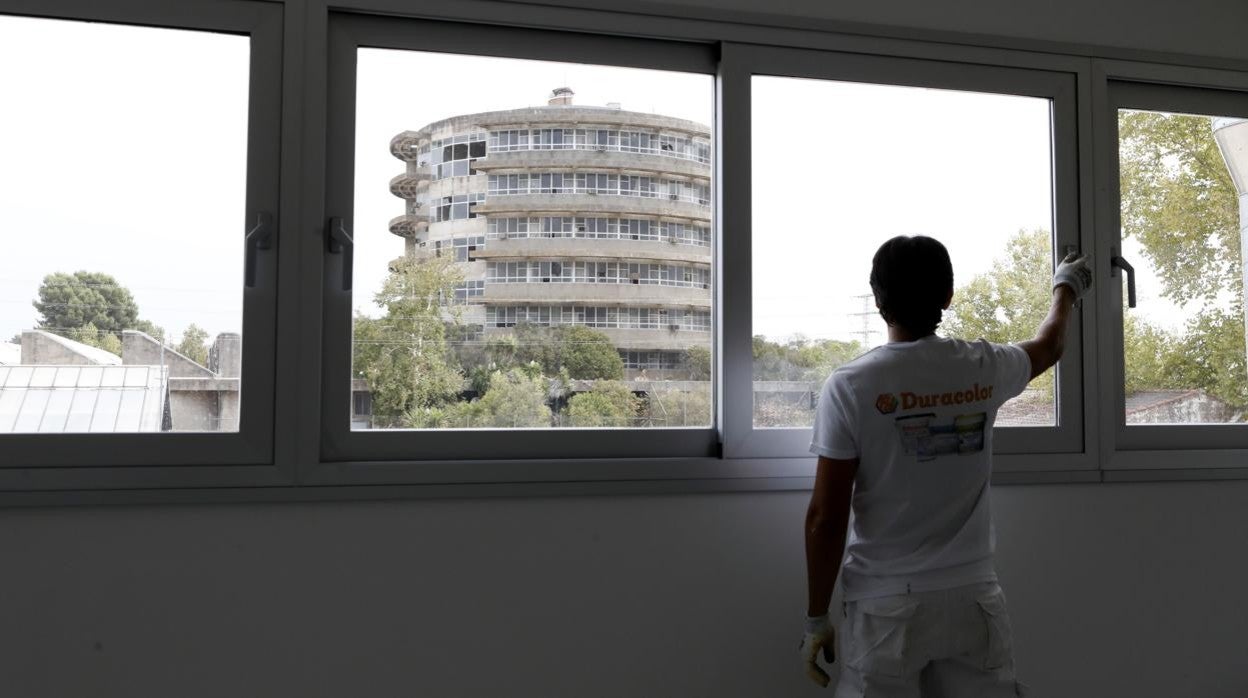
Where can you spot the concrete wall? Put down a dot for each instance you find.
(1123, 590)
(39, 347)
(137, 348)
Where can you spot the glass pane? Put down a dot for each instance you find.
(1184, 222)
(969, 169)
(124, 163)
(57, 411)
(82, 410)
(106, 406)
(479, 306)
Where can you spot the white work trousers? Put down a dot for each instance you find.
(951, 643)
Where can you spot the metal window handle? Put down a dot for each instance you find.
(340, 242)
(259, 237)
(1116, 262)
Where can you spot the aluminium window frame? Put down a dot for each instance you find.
(360, 456)
(1145, 451)
(188, 459)
(1063, 447)
(303, 95)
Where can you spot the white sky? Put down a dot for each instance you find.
(119, 163)
(124, 152)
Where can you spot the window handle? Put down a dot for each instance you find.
(259, 237)
(340, 242)
(1116, 262)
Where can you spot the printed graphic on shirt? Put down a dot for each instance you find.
(923, 436)
(974, 393)
(886, 403)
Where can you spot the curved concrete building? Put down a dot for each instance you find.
(568, 214)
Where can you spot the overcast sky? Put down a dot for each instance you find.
(119, 163)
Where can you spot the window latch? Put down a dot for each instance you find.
(259, 237)
(340, 242)
(1116, 262)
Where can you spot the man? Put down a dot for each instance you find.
(904, 439)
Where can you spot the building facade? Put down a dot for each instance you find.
(572, 215)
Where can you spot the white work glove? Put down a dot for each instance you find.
(1076, 272)
(819, 635)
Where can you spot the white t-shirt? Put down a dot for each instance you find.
(918, 416)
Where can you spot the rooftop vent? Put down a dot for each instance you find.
(561, 97)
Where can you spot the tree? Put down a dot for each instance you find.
(1179, 201)
(1008, 303)
(516, 398)
(89, 307)
(404, 355)
(608, 403)
(587, 354)
(799, 358)
(193, 345)
(696, 361)
(91, 336)
(72, 301)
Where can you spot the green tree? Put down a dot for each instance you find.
(404, 355)
(800, 358)
(194, 344)
(89, 307)
(696, 361)
(608, 403)
(1179, 201)
(1009, 302)
(587, 354)
(516, 398)
(72, 301)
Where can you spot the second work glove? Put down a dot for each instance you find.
(819, 638)
(1076, 272)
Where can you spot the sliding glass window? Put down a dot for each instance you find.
(847, 152)
(137, 284)
(520, 241)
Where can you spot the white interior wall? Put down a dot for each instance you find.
(1125, 590)
(1116, 590)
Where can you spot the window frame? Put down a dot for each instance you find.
(1204, 451)
(300, 43)
(181, 459)
(1064, 447)
(347, 455)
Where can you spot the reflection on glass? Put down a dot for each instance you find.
(124, 169)
(1184, 217)
(839, 168)
(550, 261)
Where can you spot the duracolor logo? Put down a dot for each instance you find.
(886, 403)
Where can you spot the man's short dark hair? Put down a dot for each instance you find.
(911, 277)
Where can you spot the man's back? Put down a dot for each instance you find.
(918, 416)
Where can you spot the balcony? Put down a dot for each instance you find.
(406, 145)
(592, 248)
(643, 340)
(409, 225)
(651, 295)
(592, 205)
(592, 160)
(409, 184)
